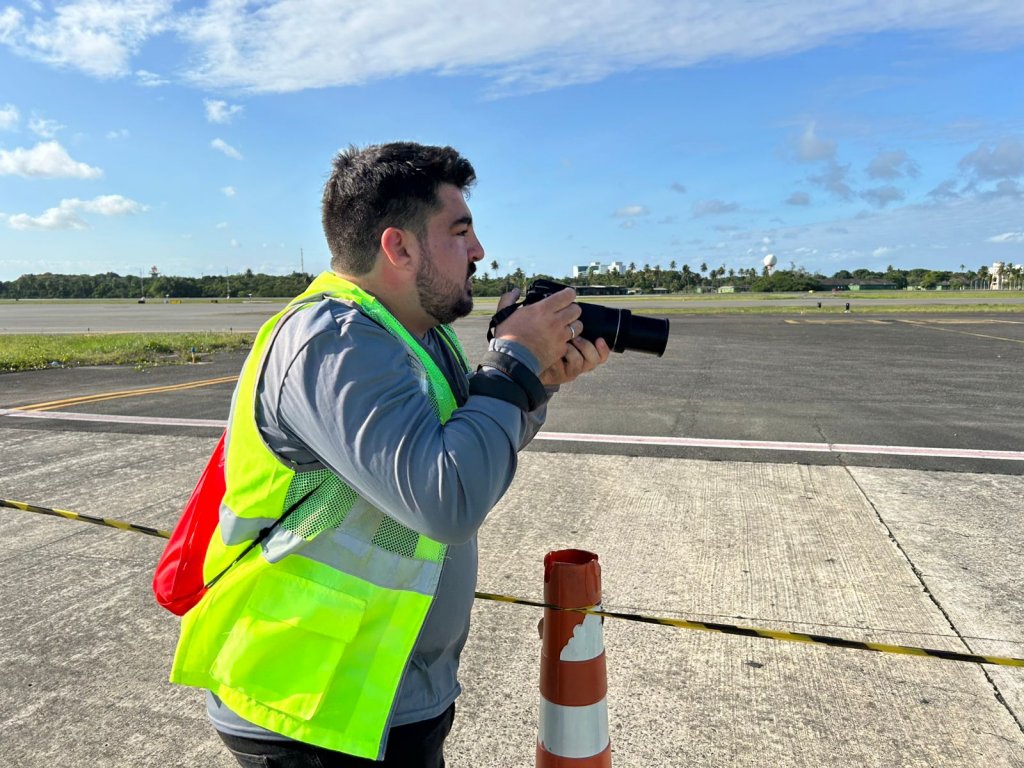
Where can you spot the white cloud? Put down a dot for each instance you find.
(148, 79)
(833, 179)
(892, 165)
(234, 243)
(882, 196)
(228, 191)
(96, 37)
(946, 190)
(628, 211)
(9, 117)
(1002, 160)
(882, 251)
(222, 225)
(43, 127)
(48, 160)
(811, 149)
(220, 111)
(222, 146)
(1007, 237)
(121, 133)
(290, 45)
(67, 215)
(10, 20)
(713, 208)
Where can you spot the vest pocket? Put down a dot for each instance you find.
(287, 642)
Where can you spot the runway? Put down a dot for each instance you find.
(848, 476)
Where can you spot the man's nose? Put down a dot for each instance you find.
(476, 250)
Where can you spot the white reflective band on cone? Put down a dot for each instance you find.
(573, 731)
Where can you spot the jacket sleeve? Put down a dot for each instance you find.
(354, 398)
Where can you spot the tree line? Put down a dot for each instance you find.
(490, 281)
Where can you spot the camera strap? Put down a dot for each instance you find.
(500, 317)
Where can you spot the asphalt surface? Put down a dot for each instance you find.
(721, 491)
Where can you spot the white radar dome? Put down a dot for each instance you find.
(769, 260)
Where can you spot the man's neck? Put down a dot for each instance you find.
(405, 309)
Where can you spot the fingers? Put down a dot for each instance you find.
(508, 299)
(563, 298)
(543, 326)
(590, 355)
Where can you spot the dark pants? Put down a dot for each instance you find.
(417, 745)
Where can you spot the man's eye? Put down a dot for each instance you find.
(463, 233)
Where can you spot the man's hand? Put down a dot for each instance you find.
(546, 328)
(581, 357)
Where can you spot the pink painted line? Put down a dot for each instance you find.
(576, 437)
(113, 419)
(771, 445)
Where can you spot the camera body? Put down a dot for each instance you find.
(620, 328)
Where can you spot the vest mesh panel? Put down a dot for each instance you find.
(395, 537)
(328, 507)
(325, 509)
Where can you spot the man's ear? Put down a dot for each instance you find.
(396, 245)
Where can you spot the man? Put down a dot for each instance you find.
(362, 457)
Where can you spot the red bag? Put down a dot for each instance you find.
(178, 580)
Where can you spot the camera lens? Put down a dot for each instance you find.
(623, 330)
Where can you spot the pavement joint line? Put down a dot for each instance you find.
(919, 575)
(714, 627)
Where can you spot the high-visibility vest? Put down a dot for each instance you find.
(310, 634)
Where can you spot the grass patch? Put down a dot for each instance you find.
(28, 352)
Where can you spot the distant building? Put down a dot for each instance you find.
(600, 290)
(855, 284)
(998, 275)
(597, 268)
(872, 284)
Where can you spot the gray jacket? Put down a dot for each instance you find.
(340, 391)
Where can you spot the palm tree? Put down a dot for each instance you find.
(494, 266)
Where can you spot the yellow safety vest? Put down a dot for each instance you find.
(309, 635)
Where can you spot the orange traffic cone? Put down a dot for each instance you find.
(573, 679)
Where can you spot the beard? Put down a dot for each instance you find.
(443, 299)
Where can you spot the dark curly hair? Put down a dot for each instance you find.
(381, 186)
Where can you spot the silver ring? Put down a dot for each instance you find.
(572, 330)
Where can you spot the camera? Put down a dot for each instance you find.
(619, 327)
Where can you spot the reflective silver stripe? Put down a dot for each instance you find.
(344, 552)
(361, 521)
(282, 543)
(573, 731)
(235, 529)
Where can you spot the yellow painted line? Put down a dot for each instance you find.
(963, 321)
(99, 397)
(964, 333)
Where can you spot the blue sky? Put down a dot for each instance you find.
(195, 137)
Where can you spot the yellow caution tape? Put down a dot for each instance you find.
(702, 626)
(120, 525)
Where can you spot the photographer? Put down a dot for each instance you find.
(366, 455)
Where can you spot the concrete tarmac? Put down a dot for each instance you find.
(903, 549)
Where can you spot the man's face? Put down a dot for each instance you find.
(448, 256)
